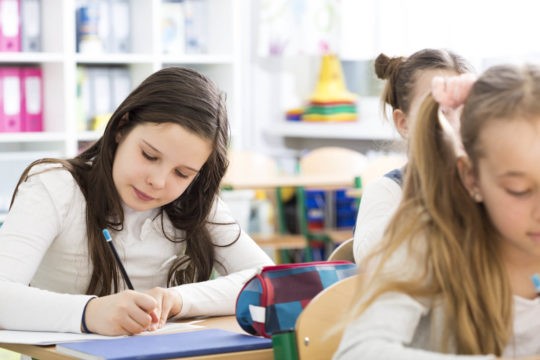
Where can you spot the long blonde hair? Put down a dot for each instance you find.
(460, 263)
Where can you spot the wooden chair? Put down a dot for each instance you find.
(258, 167)
(328, 160)
(343, 252)
(380, 165)
(316, 334)
(331, 160)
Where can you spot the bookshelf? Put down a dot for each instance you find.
(352, 131)
(59, 60)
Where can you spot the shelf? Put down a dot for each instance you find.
(66, 103)
(113, 58)
(359, 130)
(32, 58)
(31, 137)
(36, 57)
(148, 58)
(197, 59)
(89, 135)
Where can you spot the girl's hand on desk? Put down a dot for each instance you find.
(169, 303)
(126, 313)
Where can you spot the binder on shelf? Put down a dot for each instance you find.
(173, 34)
(10, 99)
(104, 24)
(166, 346)
(10, 26)
(32, 99)
(83, 99)
(196, 26)
(88, 28)
(120, 82)
(100, 96)
(120, 26)
(31, 25)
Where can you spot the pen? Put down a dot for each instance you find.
(108, 238)
(536, 282)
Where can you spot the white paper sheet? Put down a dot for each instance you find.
(50, 338)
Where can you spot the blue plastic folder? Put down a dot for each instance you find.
(183, 344)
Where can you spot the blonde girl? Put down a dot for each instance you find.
(452, 278)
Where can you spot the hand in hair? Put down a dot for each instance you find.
(451, 93)
(126, 313)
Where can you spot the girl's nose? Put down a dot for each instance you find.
(157, 179)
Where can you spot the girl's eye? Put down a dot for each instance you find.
(180, 174)
(519, 193)
(149, 157)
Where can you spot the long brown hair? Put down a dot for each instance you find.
(460, 264)
(170, 95)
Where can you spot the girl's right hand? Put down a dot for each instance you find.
(126, 313)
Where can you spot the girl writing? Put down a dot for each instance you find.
(452, 277)
(152, 181)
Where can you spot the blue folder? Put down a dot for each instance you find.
(183, 344)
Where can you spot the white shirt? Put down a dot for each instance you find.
(43, 243)
(398, 327)
(380, 200)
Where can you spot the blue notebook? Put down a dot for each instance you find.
(183, 344)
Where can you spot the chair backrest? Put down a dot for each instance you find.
(343, 252)
(316, 334)
(380, 165)
(326, 161)
(243, 163)
(333, 160)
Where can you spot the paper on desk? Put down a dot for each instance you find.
(50, 338)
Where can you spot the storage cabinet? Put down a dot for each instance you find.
(59, 61)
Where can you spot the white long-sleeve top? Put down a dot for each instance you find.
(397, 326)
(380, 200)
(45, 267)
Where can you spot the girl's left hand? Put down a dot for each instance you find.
(169, 303)
(451, 92)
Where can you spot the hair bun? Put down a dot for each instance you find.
(386, 66)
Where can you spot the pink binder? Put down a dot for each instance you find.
(10, 99)
(32, 99)
(10, 25)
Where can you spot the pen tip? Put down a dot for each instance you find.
(107, 235)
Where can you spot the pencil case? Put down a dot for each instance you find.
(271, 301)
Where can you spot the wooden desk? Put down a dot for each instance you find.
(222, 322)
(280, 241)
(354, 192)
(328, 182)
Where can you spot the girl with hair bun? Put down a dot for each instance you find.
(408, 81)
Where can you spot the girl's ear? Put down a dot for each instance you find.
(400, 121)
(468, 177)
